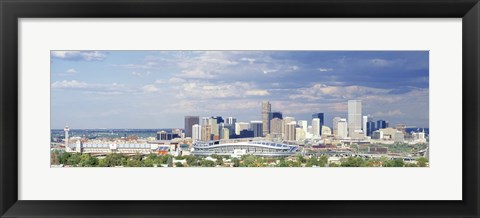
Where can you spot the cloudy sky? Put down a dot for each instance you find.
(156, 89)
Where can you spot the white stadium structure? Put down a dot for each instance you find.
(258, 148)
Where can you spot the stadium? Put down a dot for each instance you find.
(258, 148)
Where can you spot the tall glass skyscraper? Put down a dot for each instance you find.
(321, 118)
(381, 124)
(189, 122)
(257, 128)
(354, 118)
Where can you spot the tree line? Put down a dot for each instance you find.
(152, 160)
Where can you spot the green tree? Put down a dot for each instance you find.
(148, 162)
(236, 162)
(63, 157)
(219, 161)
(115, 159)
(207, 163)
(301, 159)
(323, 161)
(313, 161)
(102, 162)
(422, 162)
(352, 162)
(178, 164)
(74, 159)
(398, 162)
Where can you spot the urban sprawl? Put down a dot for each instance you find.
(274, 141)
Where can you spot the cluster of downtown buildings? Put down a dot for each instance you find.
(275, 126)
(274, 135)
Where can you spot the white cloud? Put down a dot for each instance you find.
(149, 89)
(71, 70)
(322, 91)
(391, 113)
(206, 90)
(325, 69)
(109, 89)
(269, 71)
(79, 55)
(257, 92)
(250, 60)
(68, 84)
(136, 74)
(380, 62)
(176, 80)
(147, 65)
(196, 74)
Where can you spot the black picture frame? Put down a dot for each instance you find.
(12, 10)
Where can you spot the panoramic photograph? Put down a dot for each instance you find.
(236, 108)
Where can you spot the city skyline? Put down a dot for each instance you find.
(153, 89)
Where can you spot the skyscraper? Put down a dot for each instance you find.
(364, 124)
(290, 131)
(266, 109)
(239, 126)
(278, 115)
(316, 127)
(370, 127)
(355, 119)
(206, 132)
(287, 121)
(299, 134)
(196, 132)
(381, 124)
(257, 128)
(304, 125)
(276, 127)
(231, 120)
(342, 129)
(335, 125)
(225, 133)
(214, 126)
(189, 122)
(321, 117)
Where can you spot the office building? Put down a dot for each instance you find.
(322, 120)
(316, 127)
(231, 120)
(214, 126)
(239, 126)
(370, 128)
(381, 124)
(276, 127)
(257, 127)
(163, 135)
(326, 131)
(225, 133)
(189, 122)
(278, 115)
(355, 119)
(206, 132)
(299, 134)
(290, 131)
(266, 110)
(287, 120)
(304, 125)
(335, 125)
(342, 129)
(196, 133)
(402, 128)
